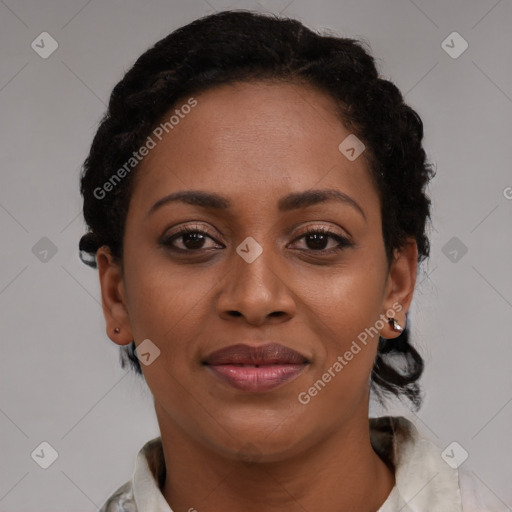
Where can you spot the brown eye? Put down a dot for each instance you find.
(317, 239)
(192, 239)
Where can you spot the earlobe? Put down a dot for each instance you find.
(400, 287)
(113, 297)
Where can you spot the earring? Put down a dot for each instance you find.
(117, 330)
(395, 325)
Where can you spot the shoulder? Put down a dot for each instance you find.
(419, 465)
(121, 501)
(144, 488)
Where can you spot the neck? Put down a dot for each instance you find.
(340, 472)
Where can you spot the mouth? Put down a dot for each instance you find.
(256, 368)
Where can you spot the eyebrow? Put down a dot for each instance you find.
(290, 202)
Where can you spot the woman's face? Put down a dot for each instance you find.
(254, 277)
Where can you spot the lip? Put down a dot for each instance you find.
(256, 368)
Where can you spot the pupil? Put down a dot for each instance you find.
(196, 239)
(318, 238)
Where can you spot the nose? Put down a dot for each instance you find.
(258, 291)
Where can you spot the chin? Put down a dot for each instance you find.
(251, 439)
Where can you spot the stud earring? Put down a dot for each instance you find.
(117, 330)
(395, 325)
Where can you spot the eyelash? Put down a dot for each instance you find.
(342, 241)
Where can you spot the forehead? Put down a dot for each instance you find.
(253, 141)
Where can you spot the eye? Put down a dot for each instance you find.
(192, 238)
(318, 238)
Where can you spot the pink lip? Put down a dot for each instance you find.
(256, 368)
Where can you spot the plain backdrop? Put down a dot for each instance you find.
(60, 378)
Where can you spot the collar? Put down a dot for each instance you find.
(424, 481)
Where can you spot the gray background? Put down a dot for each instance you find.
(60, 380)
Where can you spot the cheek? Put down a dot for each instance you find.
(168, 305)
(345, 318)
(163, 296)
(168, 308)
(349, 302)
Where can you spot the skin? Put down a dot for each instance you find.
(226, 449)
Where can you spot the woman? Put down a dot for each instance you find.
(255, 198)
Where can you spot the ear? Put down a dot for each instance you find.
(113, 297)
(400, 285)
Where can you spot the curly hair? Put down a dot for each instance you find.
(237, 46)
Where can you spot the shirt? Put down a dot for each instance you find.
(424, 481)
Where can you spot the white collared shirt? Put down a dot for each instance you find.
(424, 481)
